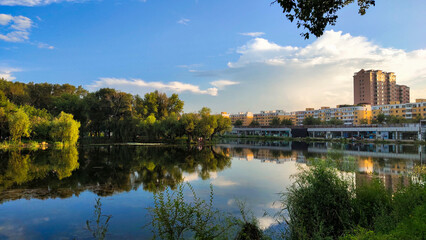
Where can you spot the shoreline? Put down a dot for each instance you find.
(341, 140)
(35, 145)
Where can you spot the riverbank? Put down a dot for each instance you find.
(31, 145)
(337, 140)
(35, 145)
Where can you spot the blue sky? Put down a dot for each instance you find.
(228, 55)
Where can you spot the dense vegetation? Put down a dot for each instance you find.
(324, 204)
(27, 111)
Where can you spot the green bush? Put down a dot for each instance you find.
(174, 218)
(319, 204)
(371, 201)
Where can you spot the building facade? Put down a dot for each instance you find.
(349, 115)
(264, 118)
(245, 117)
(403, 93)
(402, 110)
(376, 87)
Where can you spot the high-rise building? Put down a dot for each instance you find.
(403, 93)
(375, 87)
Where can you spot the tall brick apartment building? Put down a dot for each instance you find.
(376, 87)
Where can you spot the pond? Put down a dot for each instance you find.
(51, 194)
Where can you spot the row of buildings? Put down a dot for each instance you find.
(375, 92)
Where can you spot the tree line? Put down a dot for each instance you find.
(17, 122)
(105, 113)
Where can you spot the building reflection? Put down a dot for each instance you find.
(107, 170)
(392, 163)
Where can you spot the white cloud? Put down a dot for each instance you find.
(266, 222)
(319, 74)
(184, 21)
(253, 34)
(6, 73)
(221, 84)
(190, 177)
(18, 28)
(222, 182)
(141, 86)
(32, 3)
(45, 45)
(195, 176)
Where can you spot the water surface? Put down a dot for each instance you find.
(51, 194)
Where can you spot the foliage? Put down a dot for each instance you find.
(380, 118)
(19, 125)
(65, 129)
(335, 121)
(20, 167)
(105, 113)
(372, 202)
(307, 121)
(206, 125)
(286, 122)
(254, 123)
(223, 125)
(249, 225)
(316, 15)
(275, 121)
(318, 204)
(238, 123)
(323, 204)
(106, 171)
(174, 218)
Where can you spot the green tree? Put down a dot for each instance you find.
(65, 129)
(174, 105)
(335, 121)
(308, 121)
(207, 124)
(394, 119)
(188, 122)
(316, 15)
(170, 128)
(275, 122)
(286, 122)
(380, 118)
(19, 125)
(223, 125)
(254, 123)
(238, 123)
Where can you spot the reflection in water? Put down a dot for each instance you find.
(125, 176)
(98, 225)
(107, 170)
(103, 170)
(393, 163)
(18, 168)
